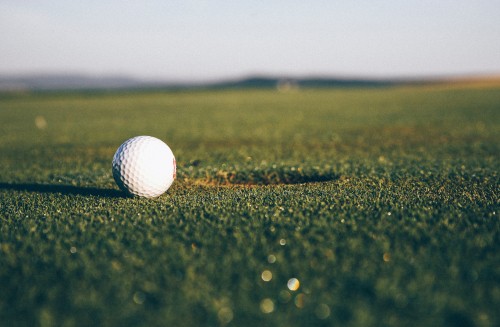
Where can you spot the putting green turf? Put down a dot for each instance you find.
(382, 203)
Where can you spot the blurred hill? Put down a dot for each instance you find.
(41, 82)
(53, 82)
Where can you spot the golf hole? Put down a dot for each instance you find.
(266, 177)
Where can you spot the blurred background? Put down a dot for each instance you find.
(118, 43)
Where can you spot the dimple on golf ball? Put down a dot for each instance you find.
(144, 166)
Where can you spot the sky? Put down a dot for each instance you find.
(183, 40)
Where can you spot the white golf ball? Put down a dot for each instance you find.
(144, 166)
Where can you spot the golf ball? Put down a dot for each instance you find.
(144, 166)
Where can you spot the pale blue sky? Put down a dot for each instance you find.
(210, 39)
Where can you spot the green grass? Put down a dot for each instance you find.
(383, 203)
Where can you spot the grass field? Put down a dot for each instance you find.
(383, 204)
